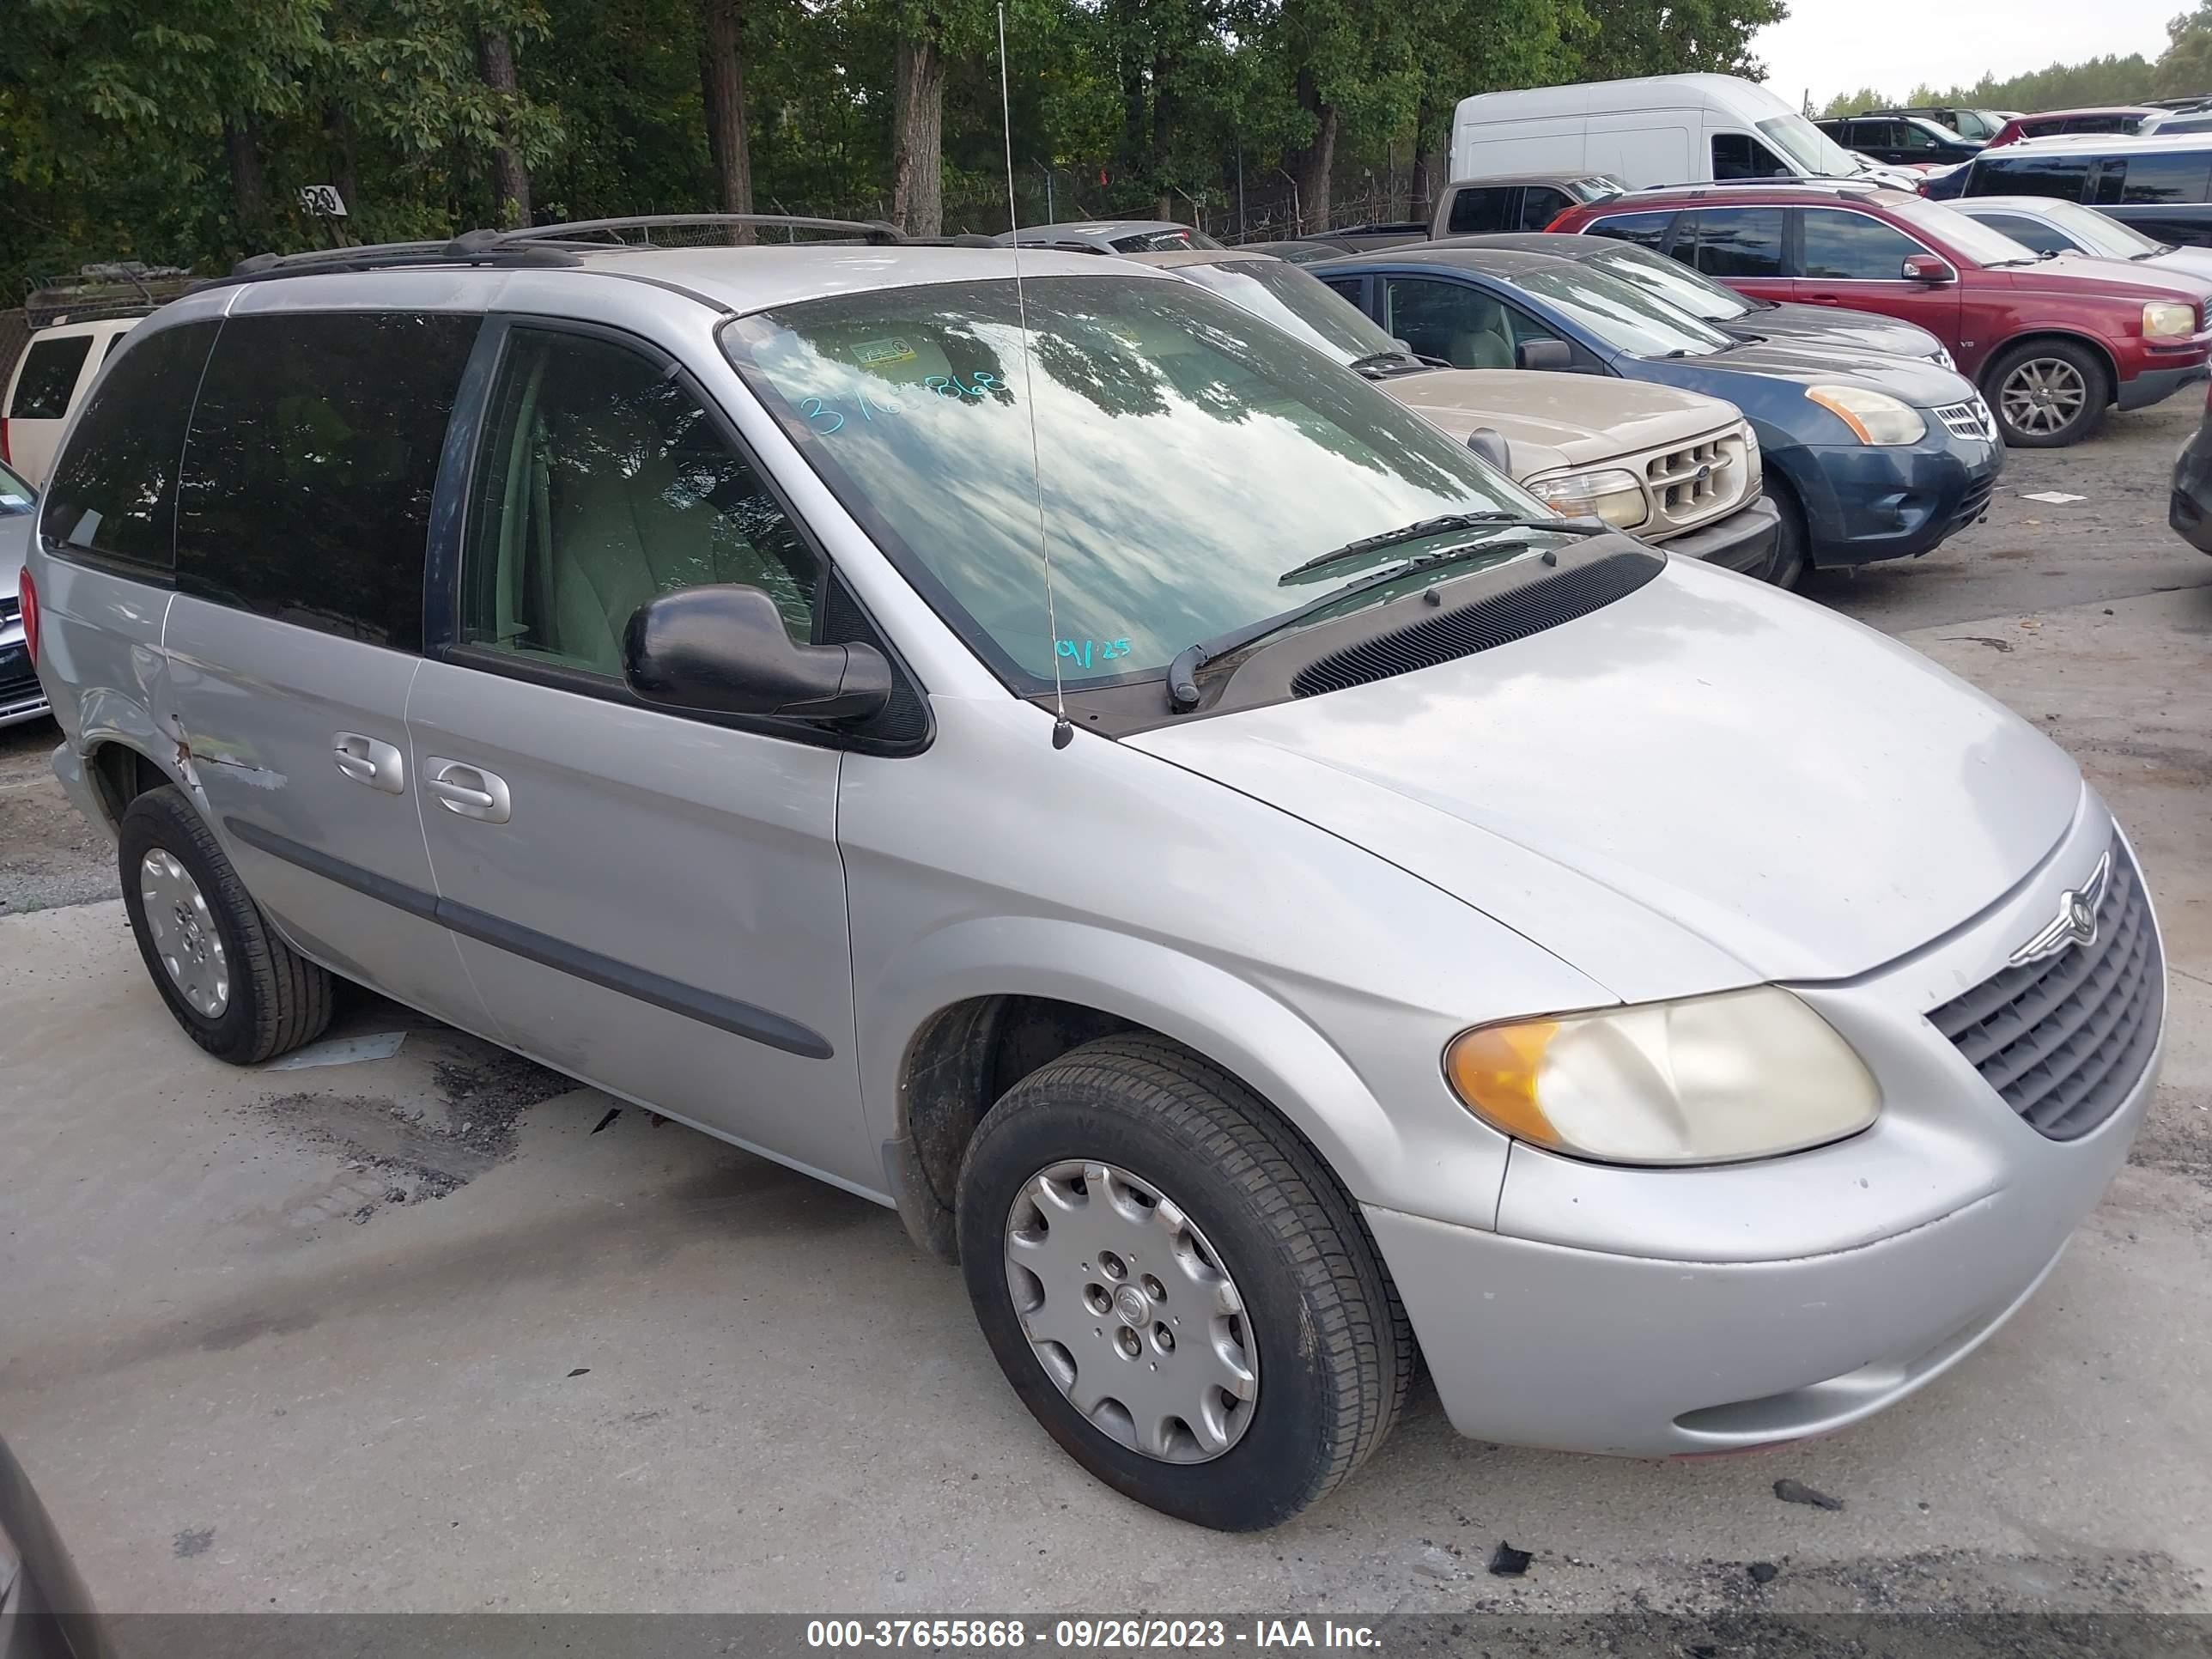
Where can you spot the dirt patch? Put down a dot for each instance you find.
(49, 856)
(429, 1146)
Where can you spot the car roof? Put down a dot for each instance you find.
(1784, 190)
(2090, 109)
(2107, 143)
(1099, 227)
(1169, 258)
(1502, 262)
(1543, 176)
(1967, 204)
(1557, 245)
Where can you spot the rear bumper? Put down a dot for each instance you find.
(2156, 385)
(2189, 508)
(1869, 501)
(21, 697)
(1742, 541)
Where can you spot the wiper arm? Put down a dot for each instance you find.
(1183, 684)
(1375, 361)
(1422, 529)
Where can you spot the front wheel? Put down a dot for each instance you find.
(1791, 554)
(2048, 393)
(1176, 1286)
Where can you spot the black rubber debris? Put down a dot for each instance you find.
(1762, 1572)
(1506, 1562)
(581, 1370)
(613, 1112)
(1797, 1491)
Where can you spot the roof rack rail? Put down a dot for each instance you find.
(113, 288)
(603, 232)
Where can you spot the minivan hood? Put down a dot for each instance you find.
(1853, 331)
(1917, 381)
(1552, 419)
(1706, 783)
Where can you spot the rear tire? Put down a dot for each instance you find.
(1233, 1191)
(238, 990)
(1792, 553)
(2048, 393)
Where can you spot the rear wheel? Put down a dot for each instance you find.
(1787, 565)
(1176, 1286)
(2048, 393)
(238, 990)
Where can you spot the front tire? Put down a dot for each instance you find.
(1176, 1286)
(2048, 393)
(239, 990)
(1792, 544)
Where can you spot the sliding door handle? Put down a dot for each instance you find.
(469, 791)
(365, 760)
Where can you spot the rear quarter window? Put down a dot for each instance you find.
(1644, 229)
(113, 492)
(2178, 177)
(48, 376)
(313, 460)
(1476, 212)
(2060, 177)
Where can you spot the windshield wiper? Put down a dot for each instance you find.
(1375, 361)
(1182, 685)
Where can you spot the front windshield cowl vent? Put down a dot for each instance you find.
(1498, 620)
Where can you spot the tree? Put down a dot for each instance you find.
(2184, 68)
(722, 78)
(918, 125)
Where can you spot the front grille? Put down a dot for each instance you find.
(1697, 480)
(1498, 620)
(2064, 1040)
(1970, 419)
(10, 609)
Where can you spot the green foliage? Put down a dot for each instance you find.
(180, 131)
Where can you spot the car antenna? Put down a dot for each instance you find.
(1062, 733)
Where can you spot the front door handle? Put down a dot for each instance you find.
(1822, 298)
(365, 760)
(469, 790)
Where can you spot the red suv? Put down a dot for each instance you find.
(2052, 341)
(2113, 118)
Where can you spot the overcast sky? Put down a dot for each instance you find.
(1840, 45)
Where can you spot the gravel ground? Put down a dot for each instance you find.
(434, 1329)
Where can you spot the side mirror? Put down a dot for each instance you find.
(1927, 268)
(1489, 444)
(1543, 354)
(723, 650)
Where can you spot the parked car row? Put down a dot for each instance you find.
(871, 705)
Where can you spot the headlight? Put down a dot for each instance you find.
(1942, 359)
(1705, 1080)
(1611, 492)
(1875, 416)
(1754, 464)
(2168, 319)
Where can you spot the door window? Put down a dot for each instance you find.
(49, 374)
(114, 488)
(1739, 242)
(313, 459)
(2175, 176)
(602, 482)
(1540, 204)
(1464, 326)
(1644, 229)
(1910, 135)
(1477, 212)
(1854, 248)
(1740, 155)
(2058, 176)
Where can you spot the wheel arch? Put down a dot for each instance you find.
(973, 1035)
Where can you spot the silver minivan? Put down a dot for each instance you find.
(1050, 753)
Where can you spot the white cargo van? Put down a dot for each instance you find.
(1662, 130)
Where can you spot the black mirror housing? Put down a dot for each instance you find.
(723, 649)
(1554, 355)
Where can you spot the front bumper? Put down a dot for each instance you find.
(2189, 509)
(1868, 502)
(2155, 386)
(1654, 1312)
(1742, 541)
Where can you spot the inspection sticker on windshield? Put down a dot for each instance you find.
(2055, 497)
(882, 354)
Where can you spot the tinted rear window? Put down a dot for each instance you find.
(50, 371)
(2178, 177)
(2059, 176)
(114, 488)
(1644, 229)
(1738, 241)
(313, 460)
(1475, 212)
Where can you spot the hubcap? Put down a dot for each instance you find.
(1130, 1312)
(2042, 395)
(185, 937)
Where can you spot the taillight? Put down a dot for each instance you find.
(4, 455)
(28, 595)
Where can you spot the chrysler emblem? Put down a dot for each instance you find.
(2075, 922)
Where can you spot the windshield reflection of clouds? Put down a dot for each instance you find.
(1627, 318)
(1188, 455)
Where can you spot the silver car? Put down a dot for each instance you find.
(1071, 763)
(20, 697)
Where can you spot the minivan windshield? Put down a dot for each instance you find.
(1627, 318)
(1672, 281)
(1811, 149)
(1298, 302)
(1186, 457)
